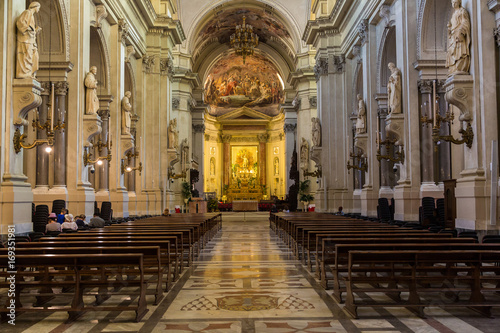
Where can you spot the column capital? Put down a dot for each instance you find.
(123, 29)
(61, 88)
(104, 114)
(200, 128)
(226, 138)
(46, 88)
(289, 128)
(363, 31)
(321, 67)
(263, 137)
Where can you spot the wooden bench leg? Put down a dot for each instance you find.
(350, 306)
(41, 300)
(102, 293)
(142, 308)
(77, 303)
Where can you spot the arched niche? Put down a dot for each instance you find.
(387, 54)
(99, 57)
(130, 84)
(432, 33)
(357, 87)
(53, 39)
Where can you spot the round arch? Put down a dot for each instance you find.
(387, 54)
(432, 31)
(99, 57)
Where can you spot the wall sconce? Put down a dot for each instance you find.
(19, 141)
(318, 173)
(173, 175)
(467, 133)
(400, 155)
(87, 157)
(129, 168)
(358, 162)
(130, 154)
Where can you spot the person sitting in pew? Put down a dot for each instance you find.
(52, 225)
(69, 224)
(340, 212)
(96, 222)
(80, 222)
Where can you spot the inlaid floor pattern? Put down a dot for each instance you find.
(246, 280)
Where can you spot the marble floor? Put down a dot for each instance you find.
(246, 280)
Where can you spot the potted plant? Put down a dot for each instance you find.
(304, 196)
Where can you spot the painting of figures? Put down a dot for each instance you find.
(232, 84)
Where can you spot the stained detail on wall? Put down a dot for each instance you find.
(232, 84)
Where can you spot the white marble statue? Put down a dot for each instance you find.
(361, 121)
(458, 55)
(316, 132)
(126, 113)
(394, 89)
(92, 101)
(27, 49)
(173, 134)
(304, 154)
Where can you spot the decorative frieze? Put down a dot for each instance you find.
(166, 66)
(226, 138)
(175, 103)
(338, 64)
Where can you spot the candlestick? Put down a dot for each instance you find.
(52, 107)
(434, 103)
(109, 129)
(378, 133)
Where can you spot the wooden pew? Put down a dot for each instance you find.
(426, 276)
(152, 265)
(36, 272)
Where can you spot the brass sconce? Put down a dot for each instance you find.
(467, 133)
(318, 173)
(173, 175)
(129, 168)
(19, 141)
(358, 162)
(130, 155)
(400, 155)
(87, 157)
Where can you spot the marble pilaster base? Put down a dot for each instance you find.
(407, 202)
(119, 203)
(356, 202)
(369, 201)
(15, 207)
(430, 189)
(472, 194)
(132, 203)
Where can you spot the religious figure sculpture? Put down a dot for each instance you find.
(212, 166)
(91, 98)
(394, 89)
(361, 121)
(316, 132)
(185, 154)
(27, 49)
(126, 113)
(304, 154)
(458, 55)
(173, 134)
(276, 166)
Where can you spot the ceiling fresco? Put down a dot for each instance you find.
(232, 85)
(223, 24)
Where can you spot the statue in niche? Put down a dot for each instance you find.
(316, 132)
(458, 55)
(276, 166)
(304, 154)
(27, 49)
(394, 89)
(91, 98)
(185, 154)
(212, 166)
(173, 134)
(361, 121)
(126, 113)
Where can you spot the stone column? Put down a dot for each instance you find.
(61, 90)
(102, 170)
(427, 145)
(262, 157)
(226, 139)
(42, 158)
(198, 152)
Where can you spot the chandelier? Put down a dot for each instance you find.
(244, 40)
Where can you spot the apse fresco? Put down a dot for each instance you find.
(232, 84)
(222, 25)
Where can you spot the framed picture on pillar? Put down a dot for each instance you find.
(212, 150)
(276, 150)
